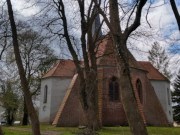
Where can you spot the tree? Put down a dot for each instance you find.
(88, 73)
(37, 58)
(10, 102)
(176, 99)
(159, 59)
(125, 59)
(24, 83)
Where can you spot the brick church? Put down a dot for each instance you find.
(60, 105)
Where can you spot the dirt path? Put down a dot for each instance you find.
(43, 132)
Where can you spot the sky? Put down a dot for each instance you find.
(160, 17)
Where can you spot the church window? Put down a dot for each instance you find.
(168, 96)
(139, 90)
(113, 89)
(45, 94)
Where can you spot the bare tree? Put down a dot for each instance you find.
(125, 59)
(24, 83)
(87, 72)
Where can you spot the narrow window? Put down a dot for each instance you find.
(113, 89)
(45, 94)
(139, 90)
(168, 96)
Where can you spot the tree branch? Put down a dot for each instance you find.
(137, 20)
(176, 13)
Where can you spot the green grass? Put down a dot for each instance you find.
(103, 131)
(8, 131)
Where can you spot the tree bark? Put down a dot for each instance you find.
(124, 59)
(24, 83)
(1, 132)
(25, 114)
(176, 13)
(91, 109)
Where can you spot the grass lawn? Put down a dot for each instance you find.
(103, 131)
(8, 131)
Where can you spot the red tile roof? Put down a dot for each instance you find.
(64, 68)
(153, 73)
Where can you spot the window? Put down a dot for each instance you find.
(168, 96)
(45, 94)
(113, 89)
(139, 90)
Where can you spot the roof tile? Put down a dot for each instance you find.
(153, 73)
(64, 68)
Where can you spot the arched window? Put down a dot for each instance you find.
(168, 96)
(45, 94)
(113, 89)
(139, 90)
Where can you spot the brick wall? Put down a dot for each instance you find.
(112, 111)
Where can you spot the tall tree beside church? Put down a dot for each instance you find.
(37, 58)
(125, 59)
(24, 83)
(159, 59)
(176, 99)
(87, 74)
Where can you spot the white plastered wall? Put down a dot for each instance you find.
(57, 87)
(162, 89)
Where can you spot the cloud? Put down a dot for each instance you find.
(24, 7)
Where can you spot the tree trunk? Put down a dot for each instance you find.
(124, 58)
(127, 93)
(24, 83)
(25, 114)
(89, 101)
(92, 100)
(1, 132)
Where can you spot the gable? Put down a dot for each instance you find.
(64, 68)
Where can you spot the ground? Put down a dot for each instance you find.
(51, 130)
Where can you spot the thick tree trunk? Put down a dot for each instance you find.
(92, 99)
(124, 59)
(25, 114)
(127, 93)
(1, 132)
(89, 101)
(24, 83)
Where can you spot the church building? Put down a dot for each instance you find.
(60, 105)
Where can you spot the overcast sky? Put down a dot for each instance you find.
(160, 17)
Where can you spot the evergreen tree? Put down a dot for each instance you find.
(176, 99)
(159, 59)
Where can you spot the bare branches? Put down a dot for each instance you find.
(147, 14)
(104, 16)
(136, 22)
